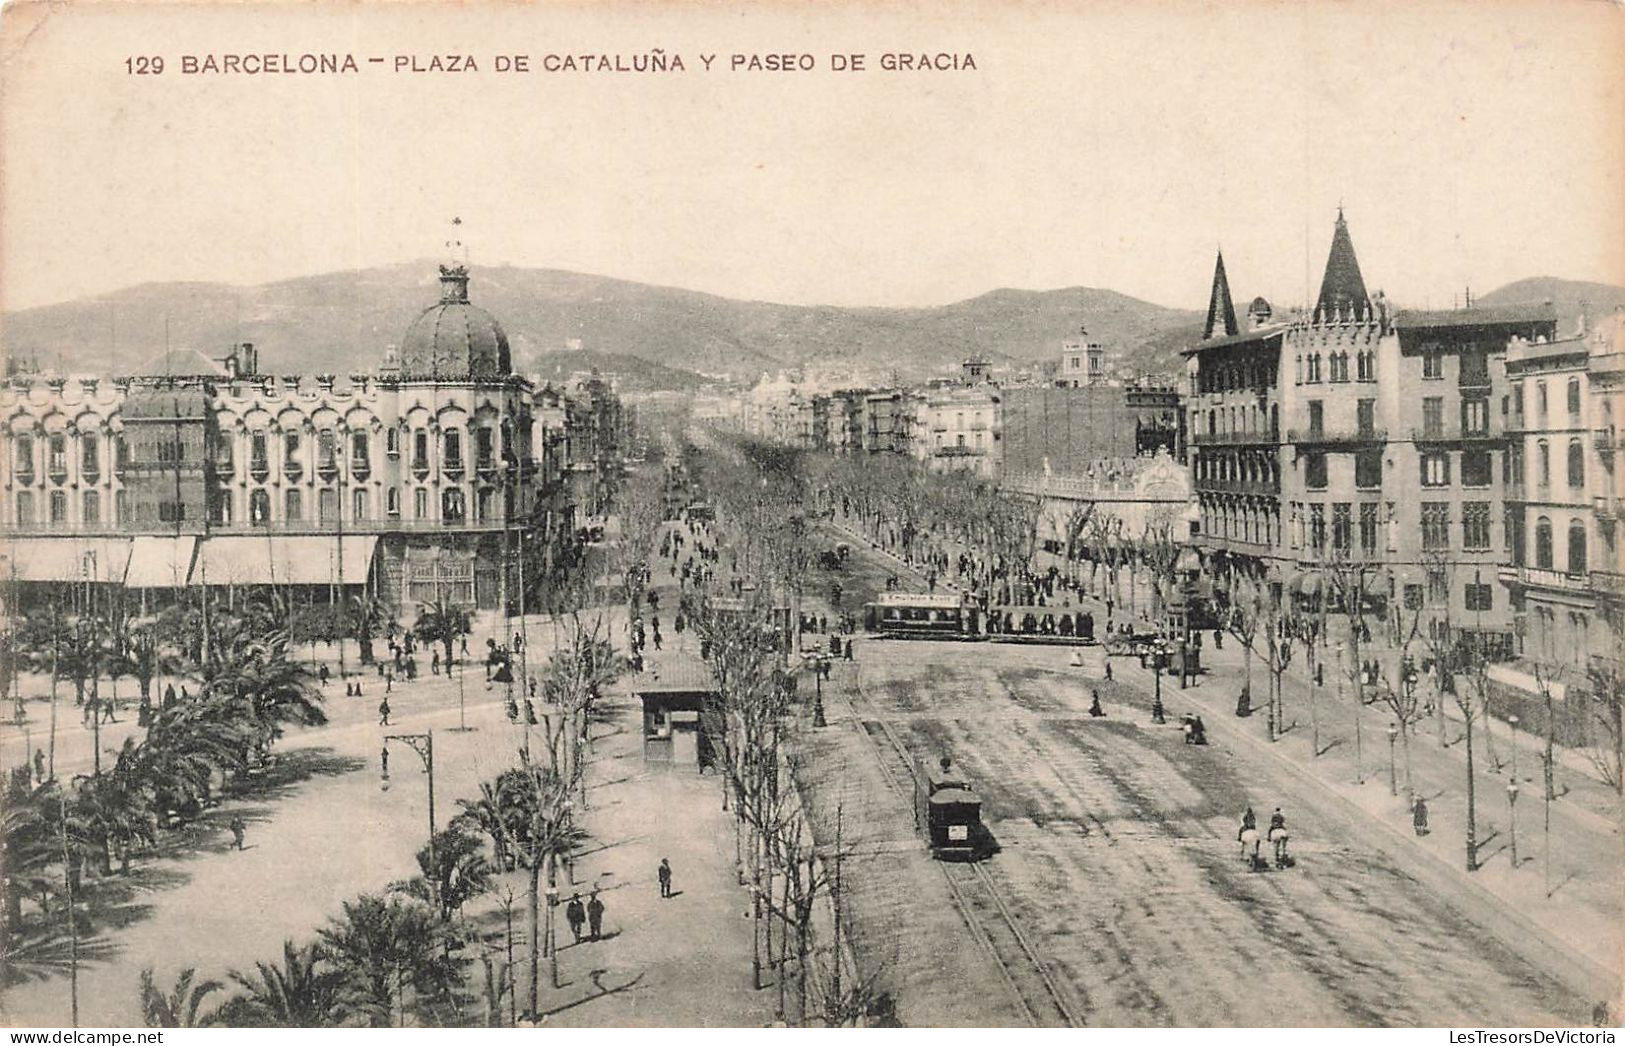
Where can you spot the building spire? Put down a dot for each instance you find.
(1220, 309)
(1342, 289)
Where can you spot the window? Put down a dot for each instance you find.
(25, 458)
(1317, 417)
(452, 508)
(1512, 466)
(393, 502)
(484, 448)
(1368, 527)
(1435, 525)
(482, 505)
(257, 461)
(420, 504)
(1475, 416)
(1475, 468)
(92, 507)
(1438, 588)
(1475, 368)
(293, 506)
(360, 454)
(1368, 469)
(1577, 547)
(1574, 397)
(121, 510)
(1543, 464)
(1475, 525)
(326, 450)
(327, 505)
(1314, 471)
(290, 451)
(1339, 366)
(1317, 527)
(25, 508)
(1342, 525)
(1433, 417)
(90, 455)
(171, 512)
(58, 455)
(1517, 402)
(1313, 377)
(392, 441)
(1543, 543)
(1413, 597)
(59, 506)
(1435, 468)
(259, 508)
(1432, 363)
(1577, 464)
(1365, 417)
(359, 504)
(1480, 596)
(1366, 366)
(1540, 399)
(1297, 369)
(121, 453)
(453, 449)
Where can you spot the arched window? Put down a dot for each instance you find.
(1577, 464)
(1543, 464)
(1543, 543)
(360, 499)
(1212, 422)
(1574, 396)
(1577, 547)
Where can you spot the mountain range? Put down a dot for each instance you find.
(654, 337)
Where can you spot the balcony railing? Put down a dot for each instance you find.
(1456, 434)
(1541, 577)
(1609, 506)
(1605, 439)
(1237, 486)
(1235, 439)
(1329, 437)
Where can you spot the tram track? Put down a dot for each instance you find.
(981, 903)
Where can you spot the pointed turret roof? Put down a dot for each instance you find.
(1342, 289)
(1219, 307)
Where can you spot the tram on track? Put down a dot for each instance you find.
(920, 615)
(950, 814)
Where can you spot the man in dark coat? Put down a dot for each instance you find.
(664, 875)
(595, 916)
(576, 914)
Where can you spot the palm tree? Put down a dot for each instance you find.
(180, 1008)
(459, 871)
(443, 623)
(365, 614)
(27, 849)
(297, 994)
(486, 814)
(114, 809)
(379, 946)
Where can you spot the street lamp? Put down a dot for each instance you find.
(423, 745)
(1393, 735)
(1512, 721)
(1159, 655)
(1512, 816)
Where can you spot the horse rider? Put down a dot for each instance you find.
(1249, 822)
(1277, 820)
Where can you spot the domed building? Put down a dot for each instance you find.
(454, 340)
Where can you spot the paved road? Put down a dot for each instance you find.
(1118, 855)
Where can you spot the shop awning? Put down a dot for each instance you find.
(64, 559)
(161, 562)
(283, 559)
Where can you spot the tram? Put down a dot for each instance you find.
(950, 814)
(920, 615)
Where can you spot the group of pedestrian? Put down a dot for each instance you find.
(589, 915)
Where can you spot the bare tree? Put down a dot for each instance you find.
(1605, 747)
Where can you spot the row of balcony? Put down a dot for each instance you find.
(1456, 434)
(1331, 437)
(1236, 439)
(1238, 486)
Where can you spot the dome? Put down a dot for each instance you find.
(453, 340)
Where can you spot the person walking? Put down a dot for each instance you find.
(1419, 816)
(238, 829)
(664, 875)
(39, 765)
(576, 915)
(383, 712)
(1094, 704)
(323, 674)
(595, 916)
(434, 663)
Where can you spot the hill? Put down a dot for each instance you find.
(341, 322)
(1570, 296)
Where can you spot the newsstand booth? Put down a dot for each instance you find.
(674, 696)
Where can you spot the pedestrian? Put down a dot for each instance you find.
(1094, 704)
(465, 646)
(664, 875)
(383, 712)
(576, 914)
(595, 916)
(1320, 675)
(323, 674)
(169, 695)
(1108, 671)
(39, 765)
(1419, 816)
(107, 710)
(434, 663)
(238, 828)
(389, 681)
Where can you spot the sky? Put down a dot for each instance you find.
(1095, 144)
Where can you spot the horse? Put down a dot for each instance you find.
(1249, 839)
(1278, 839)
